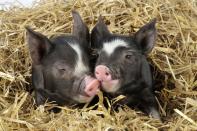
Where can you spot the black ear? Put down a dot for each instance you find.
(146, 36)
(39, 45)
(99, 32)
(80, 30)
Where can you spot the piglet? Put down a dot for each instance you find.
(60, 66)
(122, 67)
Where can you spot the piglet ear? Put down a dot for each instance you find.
(99, 33)
(80, 29)
(146, 36)
(39, 45)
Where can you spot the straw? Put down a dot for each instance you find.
(174, 62)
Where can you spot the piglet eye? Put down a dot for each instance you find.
(128, 57)
(62, 69)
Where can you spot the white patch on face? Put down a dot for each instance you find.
(80, 67)
(110, 47)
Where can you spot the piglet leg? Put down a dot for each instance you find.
(149, 103)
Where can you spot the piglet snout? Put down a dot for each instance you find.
(92, 86)
(102, 73)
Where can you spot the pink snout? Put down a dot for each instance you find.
(102, 73)
(92, 86)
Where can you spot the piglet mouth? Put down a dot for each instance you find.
(109, 83)
(110, 86)
(115, 81)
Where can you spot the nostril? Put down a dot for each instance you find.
(90, 89)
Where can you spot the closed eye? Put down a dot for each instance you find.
(63, 72)
(62, 69)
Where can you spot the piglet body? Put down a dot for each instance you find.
(122, 67)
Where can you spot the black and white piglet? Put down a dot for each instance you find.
(122, 67)
(60, 66)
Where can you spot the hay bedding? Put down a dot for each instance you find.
(174, 60)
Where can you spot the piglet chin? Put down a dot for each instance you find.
(110, 86)
(84, 99)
